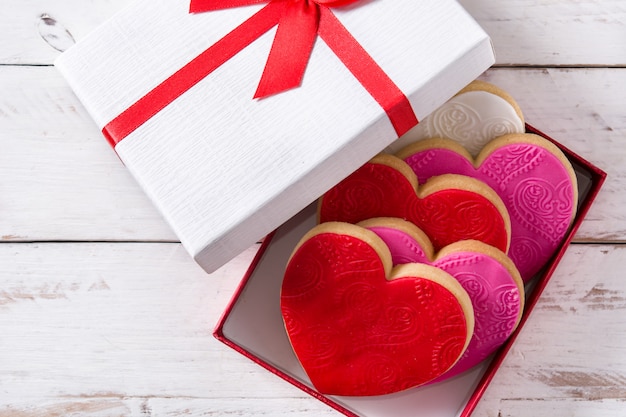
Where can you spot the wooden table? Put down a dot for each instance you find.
(102, 313)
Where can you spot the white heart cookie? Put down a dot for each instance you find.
(474, 116)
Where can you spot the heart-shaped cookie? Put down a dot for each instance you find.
(532, 176)
(477, 114)
(362, 327)
(487, 274)
(448, 208)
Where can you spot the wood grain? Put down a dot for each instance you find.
(554, 33)
(580, 316)
(34, 32)
(524, 32)
(61, 180)
(128, 324)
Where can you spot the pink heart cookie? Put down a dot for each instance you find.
(361, 327)
(531, 175)
(487, 274)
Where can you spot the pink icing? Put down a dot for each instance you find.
(493, 291)
(534, 185)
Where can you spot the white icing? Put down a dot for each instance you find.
(472, 118)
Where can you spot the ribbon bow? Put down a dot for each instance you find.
(298, 26)
(299, 23)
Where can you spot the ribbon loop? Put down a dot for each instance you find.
(293, 43)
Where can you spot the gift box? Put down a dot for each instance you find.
(253, 324)
(235, 115)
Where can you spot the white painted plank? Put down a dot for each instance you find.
(554, 33)
(109, 406)
(117, 328)
(34, 32)
(61, 181)
(561, 407)
(116, 319)
(571, 355)
(524, 32)
(120, 328)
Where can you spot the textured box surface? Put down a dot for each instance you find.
(225, 169)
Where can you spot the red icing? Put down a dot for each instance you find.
(446, 216)
(357, 333)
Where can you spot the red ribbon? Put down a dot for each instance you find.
(299, 23)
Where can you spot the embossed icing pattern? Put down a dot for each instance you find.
(496, 298)
(534, 185)
(357, 333)
(472, 118)
(446, 216)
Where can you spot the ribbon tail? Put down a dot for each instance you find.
(291, 49)
(367, 72)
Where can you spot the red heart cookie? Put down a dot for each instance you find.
(448, 208)
(359, 326)
(532, 176)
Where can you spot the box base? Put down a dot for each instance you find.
(253, 325)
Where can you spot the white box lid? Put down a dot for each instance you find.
(225, 169)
